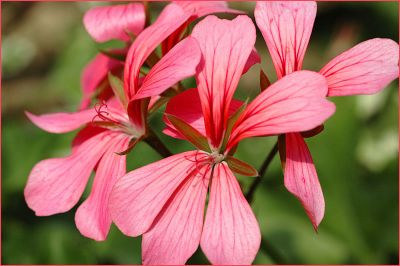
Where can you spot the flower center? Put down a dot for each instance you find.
(113, 120)
(217, 157)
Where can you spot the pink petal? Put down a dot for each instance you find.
(203, 8)
(104, 23)
(62, 122)
(231, 234)
(93, 74)
(286, 27)
(301, 177)
(176, 65)
(294, 103)
(139, 196)
(254, 58)
(175, 234)
(364, 69)
(187, 106)
(55, 185)
(226, 46)
(171, 18)
(93, 217)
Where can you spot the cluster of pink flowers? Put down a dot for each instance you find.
(165, 201)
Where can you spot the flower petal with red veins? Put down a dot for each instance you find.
(62, 122)
(93, 218)
(93, 74)
(226, 46)
(175, 233)
(286, 27)
(105, 23)
(294, 103)
(176, 65)
(139, 196)
(301, 178)
(171, 18)
(231, 234)
(203, 8)
(366, 68)
(187, 106)
(254, 58)
(55, 185)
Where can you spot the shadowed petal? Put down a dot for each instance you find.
(104, 23)
(286, 27)
(176, 65)
(62, 122)
(364, 69)
(139, 196)
(175, 234)
(226, 46)
(187, 106)
(93, 74)
(171, 18)
(294, 103)
(55, 185)
(301, 177)
(231, 234)
(93, 217)
(254, 58)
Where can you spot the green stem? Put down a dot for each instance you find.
(261, 172)
(154, 141)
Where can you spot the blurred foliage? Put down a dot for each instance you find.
(44, 49)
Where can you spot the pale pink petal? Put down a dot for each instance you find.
(93, 218)
(55, 185)
(254, 58)
(104, 23)
(286, 27)
(226, 46)
(294, 103)
(139, 196)
(301, 177)
(171, 18)
(175, 233)
(93, 74)
(203, 8)
(230, 234)
(187, 106)
(364, 69)
(176, 65)
(62, 122)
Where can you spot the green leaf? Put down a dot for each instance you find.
(241, 167)
(190, 133)
(118, 88)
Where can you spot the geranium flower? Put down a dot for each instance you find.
(115, 126)
(165, 201)
(364, 69)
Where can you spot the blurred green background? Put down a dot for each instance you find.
(44, 49)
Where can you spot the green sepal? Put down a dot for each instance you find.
(231, 122)
(132, 144)
(190, 133)
(241, 167)
(113, 55)
(118, 88)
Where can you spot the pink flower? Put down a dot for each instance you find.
(364, 69)
(55, 185)
(165, 201)
(105, 23)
